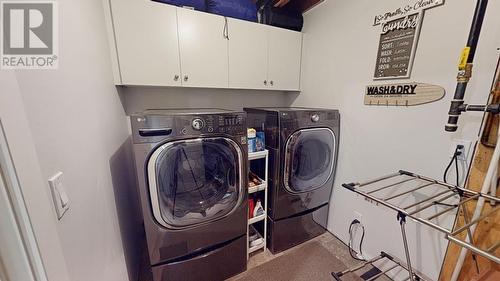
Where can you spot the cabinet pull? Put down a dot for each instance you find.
(176, 77)
(265, 82)
(225, 31)
(271, 82)
(186, 78)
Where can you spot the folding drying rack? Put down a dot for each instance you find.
(382, 257)
(419, 211)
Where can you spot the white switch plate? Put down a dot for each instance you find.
(465, 150)
(59, 196)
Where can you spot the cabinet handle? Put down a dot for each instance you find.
(176, 77)
(225, 31)
(271, 82)
(186, 78)
(265, 82)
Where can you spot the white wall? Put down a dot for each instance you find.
(340, 47)
(137, 99)
(35, 194)
(78, 123)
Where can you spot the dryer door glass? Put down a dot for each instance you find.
(309, 159)
(195, 181)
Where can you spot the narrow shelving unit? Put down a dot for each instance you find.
(258, 224)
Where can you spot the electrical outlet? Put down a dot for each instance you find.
(465, 150)
(358, 216)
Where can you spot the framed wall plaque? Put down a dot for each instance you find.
(396, 48)
(400, 30)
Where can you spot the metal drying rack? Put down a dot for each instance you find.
(381, 258)
(415, 210)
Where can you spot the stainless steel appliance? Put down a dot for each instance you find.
(192, 175)
(303, 147)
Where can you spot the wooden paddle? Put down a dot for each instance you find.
(403, 94)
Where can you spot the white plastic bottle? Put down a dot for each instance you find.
(251, 135)
(258, 209)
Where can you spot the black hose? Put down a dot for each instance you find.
(445, 174)
(453, 159)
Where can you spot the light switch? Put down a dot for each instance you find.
(59, 196)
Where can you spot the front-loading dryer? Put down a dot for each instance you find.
(303, 148)
(192, 178)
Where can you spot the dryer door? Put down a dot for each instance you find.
(309, 159)
(195, 181)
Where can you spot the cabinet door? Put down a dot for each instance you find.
(248, 54)
(203, 49)
(147, 42)
(285, 48)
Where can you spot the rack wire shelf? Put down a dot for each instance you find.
(256, 219)
(258, 188)
(256, 247)
(257, 155)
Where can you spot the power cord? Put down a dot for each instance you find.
(351, 250)
(454, 159)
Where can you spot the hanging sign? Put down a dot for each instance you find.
(400, 30)
(403, 94)
(403, 11)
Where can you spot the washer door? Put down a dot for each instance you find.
(309, 159)
(195, 181)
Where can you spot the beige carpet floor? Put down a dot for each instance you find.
(310, 261)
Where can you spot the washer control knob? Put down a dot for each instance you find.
(197, 124)
(315, 117)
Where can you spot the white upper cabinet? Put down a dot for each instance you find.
(203, 48)
(146, 42)
(285, 48)
(155, 44)
(248, 55)
(263, 57)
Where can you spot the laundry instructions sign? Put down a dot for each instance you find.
(400, 30)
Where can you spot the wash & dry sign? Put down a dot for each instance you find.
(400, 30)
(29, 35)
(403, 94)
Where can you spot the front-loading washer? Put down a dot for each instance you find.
(192, 179)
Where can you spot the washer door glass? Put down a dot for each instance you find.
(309, 159)
(195, 181)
